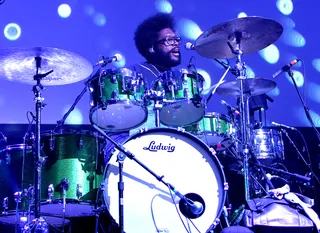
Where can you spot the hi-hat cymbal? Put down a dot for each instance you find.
(252, 86)
(253, 33)
(18, 64)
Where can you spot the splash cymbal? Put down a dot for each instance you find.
(252, 33)
(19, 65)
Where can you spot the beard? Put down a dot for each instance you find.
(167, 59)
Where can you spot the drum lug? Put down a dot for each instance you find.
(186, 93)
(114, 94)
(114, 79)
(79, 191)
(181, 129)
(226, 186)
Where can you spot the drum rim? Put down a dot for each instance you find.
(188, 135)
(19, 146)
(203, 106)
(93, 109)
(82, 132)
(217, 114)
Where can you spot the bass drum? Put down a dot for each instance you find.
(185, 162)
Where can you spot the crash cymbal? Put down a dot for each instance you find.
(254, 34)
(252, 86)
(18, 64)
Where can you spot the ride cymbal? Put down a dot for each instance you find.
(252, 86)
(252, 33)
(18, 64)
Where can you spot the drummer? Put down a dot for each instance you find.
(157, 42)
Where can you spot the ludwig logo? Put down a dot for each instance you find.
(154, 147)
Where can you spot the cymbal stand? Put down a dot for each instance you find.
(38, 159)
(244, 115)
(245, 127)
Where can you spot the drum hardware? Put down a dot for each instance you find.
(235, 38)
(191, 204)
(117, 100)
(157, 97)
(5, 204)
(182, 101)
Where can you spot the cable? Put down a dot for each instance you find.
(178, 210)
(152, 214)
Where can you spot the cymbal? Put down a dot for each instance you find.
(253, 32)
(252, 86)
(18, 64)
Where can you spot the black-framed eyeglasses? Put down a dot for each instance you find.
(169, 40)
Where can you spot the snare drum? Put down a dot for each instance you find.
(185, 162)
(267, 144)
(76, 156)
(213, 128)
(117, 100)
(16, 171)
(182, 104)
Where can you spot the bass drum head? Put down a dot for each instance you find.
(185, 162)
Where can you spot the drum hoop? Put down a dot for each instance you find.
(14, 147)
(217, 115)
(192, 137)
(92, 111)
(66, 132)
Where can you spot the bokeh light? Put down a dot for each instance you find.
(163, 6)
(189, 29)
(99, 19)
(293, 38)
(271, 54)
(285, 6)
(75, 117)
(274, 92)
(298, 77)
(287, 22)
(300, 114)
(64, 10)
(313, 91)
(12, 31)
(207, 80)
(89, 10)
(250, 72)
(316, 64)
(242, 15)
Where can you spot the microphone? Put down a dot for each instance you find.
(191, 205)
(189, 46)
(230, 108)
(107, 60)
(285, 68)
(282, 125)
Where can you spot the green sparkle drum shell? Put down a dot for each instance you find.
(117, 100)
(213, 128)
(76, 156)
(182, 103)
(112, 81)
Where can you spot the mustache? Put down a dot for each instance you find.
(175, 49)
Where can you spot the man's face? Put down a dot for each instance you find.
(167, 51)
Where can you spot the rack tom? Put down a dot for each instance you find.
(117, 100)
(182, 103)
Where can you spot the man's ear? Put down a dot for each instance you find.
(151, 50)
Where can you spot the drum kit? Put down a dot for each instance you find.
(65, 166)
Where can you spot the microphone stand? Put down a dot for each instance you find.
(61, 122)
(126, 153)
(306, 109)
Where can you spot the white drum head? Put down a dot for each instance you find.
(120, 116)
(185, 162)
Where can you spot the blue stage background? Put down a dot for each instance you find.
(98, 27)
